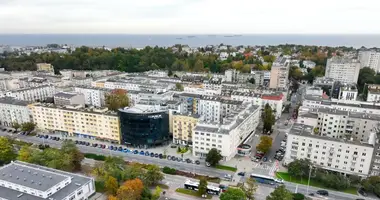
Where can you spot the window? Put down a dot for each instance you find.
(72, 197)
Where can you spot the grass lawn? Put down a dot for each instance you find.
(228, 168)
(286, 177)
(163, 186)
(191, 192)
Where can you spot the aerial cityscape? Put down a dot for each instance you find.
(170, 100)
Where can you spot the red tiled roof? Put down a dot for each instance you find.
(272, 97)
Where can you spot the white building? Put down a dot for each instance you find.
(308, 64)
(231, 75)
(348, 93)
(121, 85)
(33, 94)
(202, 91)
(92, 95)
(25, 181)
(343, 156)
(317, 91)
(82, 81)
(262, 78)
(279, 73)
(343, 69)
(373, 94)
(13, 110)
(226, 136)
(370, 59)
(69, 98)
(214, 109)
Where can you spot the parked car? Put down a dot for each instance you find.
(152, 154)
(208, 164)
(160, 156)
(227, 177)
(169, 157)
(4, 129)
(323, 192)
(188, 160)
(156, 155)
(362, 192)
(142, 153)
(241, 173)
(265, 159)
(147, 153)
(135, 152)
(197, 162)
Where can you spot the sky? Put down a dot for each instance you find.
(190, 16)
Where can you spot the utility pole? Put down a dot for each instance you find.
(308, 181)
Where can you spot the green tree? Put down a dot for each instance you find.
(153, 175)
(25, 153)
(7, 153)
(117, 99)
(280, 193)
(269, 118)
(157, 193)
(299, 168)
(295, 72)
(202, 187)
(213, 157)
(16, 125)
(265, 144)
(111, 185)
(199, 66)
(249, 188)
(366, 76)
(298, 196)
(69, 148)
(233, 194)
(179, 86)
(28, 126)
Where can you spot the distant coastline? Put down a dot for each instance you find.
(139, 41)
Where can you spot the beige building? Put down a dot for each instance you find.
(45, 67)
(279, 73)
(183, 126)
(93, 123)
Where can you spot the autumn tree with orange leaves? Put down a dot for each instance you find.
(130, 190)
(116, 99)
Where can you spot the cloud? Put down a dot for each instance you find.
(188, 16)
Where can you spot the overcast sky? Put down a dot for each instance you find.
(190, 16)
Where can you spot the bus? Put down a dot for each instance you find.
(266, 179)
(191, 185)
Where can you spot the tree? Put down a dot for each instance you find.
(179, 86)
(131, 190)
(199, 66)
(249, 188)
(233, 194)
(213, 157)
(68, 147)
(265, 144)
(269, 118)
(118, 98)
(298, 196)
(16, 125)
(157, 193)
(28, 126)
(295, 72)
(153, 175)
(299, 168)
(170, 73)
(202, 187)
(280, 193)
(25, 153)
(252, 80)
(7, 153)
(246, 68)
(111, 185)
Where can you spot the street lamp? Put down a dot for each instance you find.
(308, 181)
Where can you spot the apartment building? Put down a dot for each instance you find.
(373, 94)
(317, 91)
(202, 91)
(334, 154)
(183, 126)
(45, 67)
(228, 135)
(308, 64)
(40, 93)
(370, 59)
(79, 81)
(214, 109)
(231, 75)
(74, 120)
(189, 102)
(311, 102)
(92, 95)
(348, 93)
(13, 110)
(279, 73)
(26, 181)
(343, 69)
(69, 98)
(110, 84)
(262, 78)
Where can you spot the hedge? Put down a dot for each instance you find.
(95, 156)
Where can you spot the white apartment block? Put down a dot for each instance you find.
(262, 78)
(311, 102)
(81, 81)
(317, 91)
(69, 98)
(343, 69)
(370, 59)
(92, 95)
(121, 85)
(214, 109)
(348, 94)
(279, 73)
(74, 120)
(308, 64)
(25, 181)
(33, 94)
(13, 110)
(202, 91)
(373, 94)
(231, 75)
(226, 136)
(343, 156)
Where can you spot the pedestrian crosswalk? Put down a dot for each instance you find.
(265, 168)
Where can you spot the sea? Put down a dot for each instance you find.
(140, 41)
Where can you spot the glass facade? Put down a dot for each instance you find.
(144, 129)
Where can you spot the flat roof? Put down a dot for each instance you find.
(76, 182)
(65, 95)
(13, 101)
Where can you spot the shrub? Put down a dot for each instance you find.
(298, 196)
(95, 156)
(168, 170)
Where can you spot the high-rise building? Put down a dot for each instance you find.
(370, 59)
(279, 74)
(343, 69)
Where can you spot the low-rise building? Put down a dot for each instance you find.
(69, 98)
(334, 154)
(228, 135)
(25, 181)
(40, 93)
(45, 67)
(92, 95)
(308, 64)
(373, 94)
(183, 126)
(13, 110)
(93, 123)
(316, 91)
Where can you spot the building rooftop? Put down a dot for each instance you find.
(78, 108)
(6, 193)
(13, 101)
(65, 95)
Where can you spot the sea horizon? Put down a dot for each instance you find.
(193, 40)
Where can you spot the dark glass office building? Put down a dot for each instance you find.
(143, 129)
